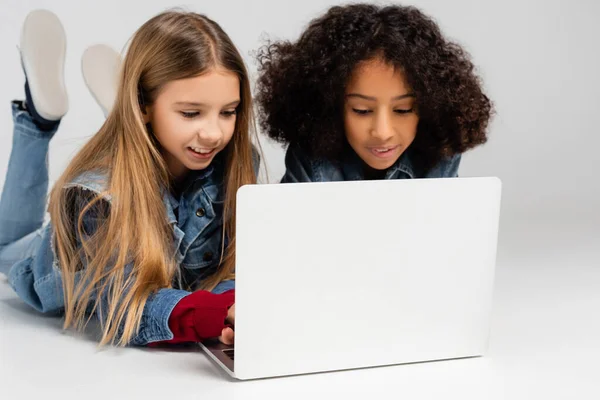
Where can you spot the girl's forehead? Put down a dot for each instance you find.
(377, 75)
(211, 87)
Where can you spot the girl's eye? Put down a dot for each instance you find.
(229, 113)
(361, 112)
(190, 114)
(404, 111)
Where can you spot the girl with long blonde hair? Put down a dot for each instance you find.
(142, 221)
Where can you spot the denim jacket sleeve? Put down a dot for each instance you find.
(446, 169)
(224, 286)
(154, 324)
(298, 167)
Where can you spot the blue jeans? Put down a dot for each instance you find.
(25, 191)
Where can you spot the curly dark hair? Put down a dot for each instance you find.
(301, 86)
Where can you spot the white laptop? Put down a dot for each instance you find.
(323, 269)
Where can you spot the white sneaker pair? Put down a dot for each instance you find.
(43, 50)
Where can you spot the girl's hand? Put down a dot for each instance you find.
(231, 315)
(227, 336)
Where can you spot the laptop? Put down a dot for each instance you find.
(322, 269)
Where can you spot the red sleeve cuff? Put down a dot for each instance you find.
(200, 315)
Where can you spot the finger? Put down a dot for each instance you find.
(227, 336)
(231, 314)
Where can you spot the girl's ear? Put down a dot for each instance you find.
(146, 114)
(142, 102)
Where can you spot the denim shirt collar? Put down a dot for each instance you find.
(172, 203)
(403, 164)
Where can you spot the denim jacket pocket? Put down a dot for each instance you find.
(204, 253)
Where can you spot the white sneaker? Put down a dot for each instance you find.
(43, 49)
(100, 65)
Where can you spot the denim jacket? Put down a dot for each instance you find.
(301, 168)
(196, 218)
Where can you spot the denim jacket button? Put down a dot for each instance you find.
(208, 256)
(200, 212)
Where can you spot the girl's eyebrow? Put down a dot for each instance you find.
(196, 104)
(364, 97)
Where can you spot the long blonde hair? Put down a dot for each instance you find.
(135, 231)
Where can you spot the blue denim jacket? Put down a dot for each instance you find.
(196, 218)
(197, 236)
(301, 168)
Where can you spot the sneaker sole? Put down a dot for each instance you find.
(100, 65)
(43, 50)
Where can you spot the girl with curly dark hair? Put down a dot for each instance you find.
(371, 92)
